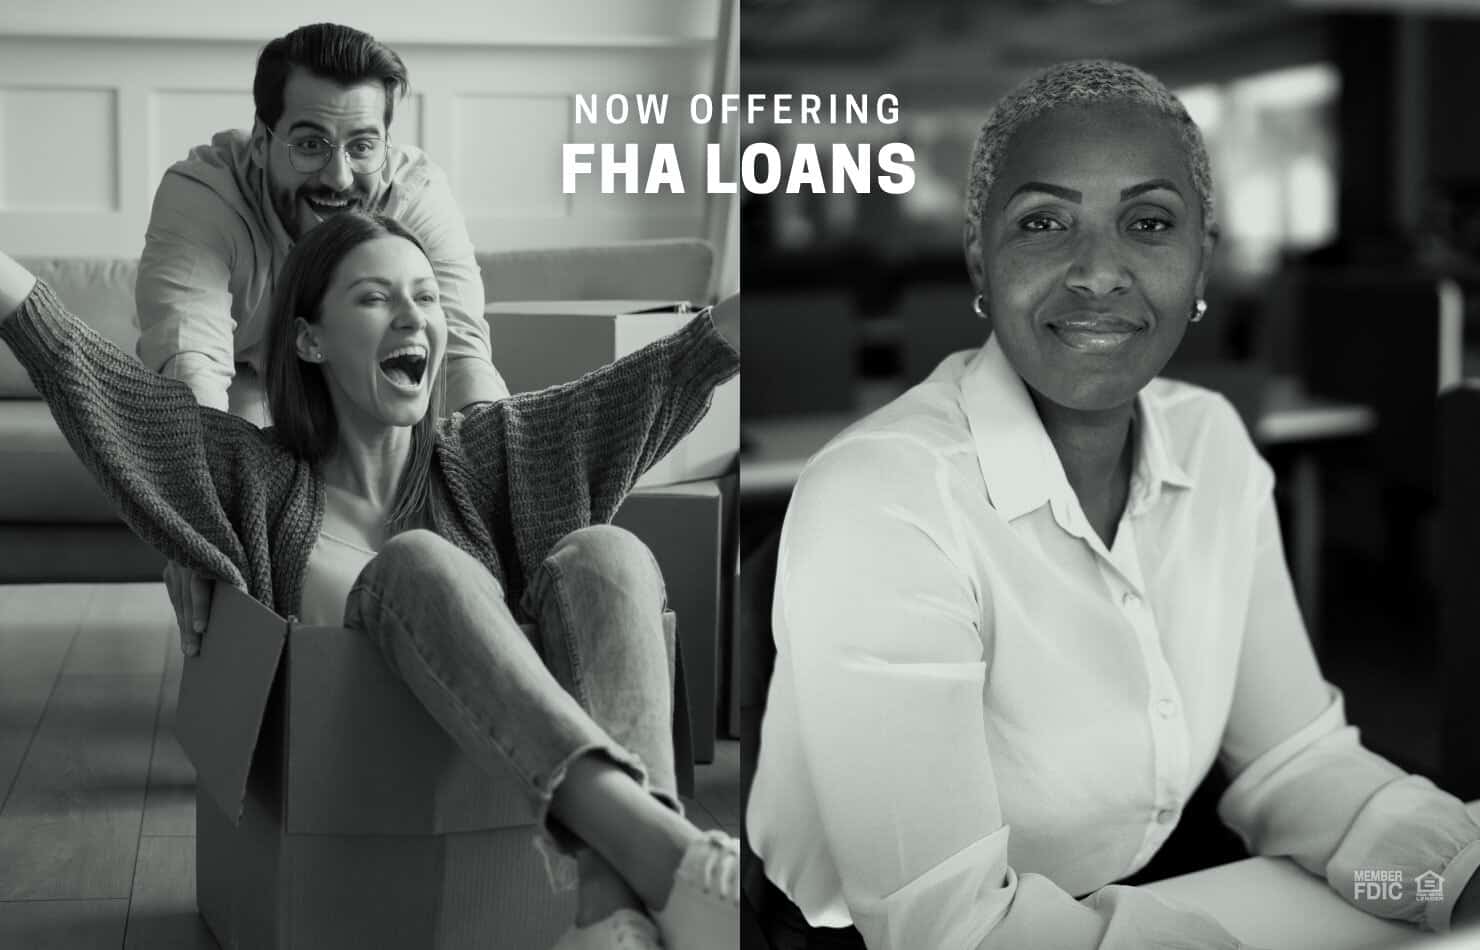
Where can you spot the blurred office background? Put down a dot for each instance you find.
(1343, 296)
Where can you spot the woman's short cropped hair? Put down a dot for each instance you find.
(1081, 82)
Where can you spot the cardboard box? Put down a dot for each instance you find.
(333, 811)
(542, 343)
(684, 525)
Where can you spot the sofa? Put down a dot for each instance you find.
(56, 526)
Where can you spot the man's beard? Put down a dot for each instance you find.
(308, 205)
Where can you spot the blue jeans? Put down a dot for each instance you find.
(594, 680)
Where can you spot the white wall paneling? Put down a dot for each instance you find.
(62, 153)
(181, 119)
(496, 120)
(479, 22)
(93, 109)
(502, 146)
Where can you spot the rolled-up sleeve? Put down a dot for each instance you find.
(183, 291)
(433, 216)
(1305, 787)
(880, 614)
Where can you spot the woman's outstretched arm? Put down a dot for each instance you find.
(564, 457)
(141, 436)
(1304, 786)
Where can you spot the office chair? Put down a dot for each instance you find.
(1459, 589)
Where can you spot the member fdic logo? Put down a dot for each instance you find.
(1377, 884)
(1386, 884)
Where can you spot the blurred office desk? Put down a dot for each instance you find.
(1274, 904)
(1287, 417)
(774, 452)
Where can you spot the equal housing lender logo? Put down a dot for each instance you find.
(1387, 884)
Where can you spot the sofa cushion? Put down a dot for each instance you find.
(47, 484)
(44, 481)
(100, 290)
(64, 553)
(665, 268)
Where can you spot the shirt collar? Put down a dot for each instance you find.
(1018, 462)
(1156, 466)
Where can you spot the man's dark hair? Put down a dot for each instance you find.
(332, 52)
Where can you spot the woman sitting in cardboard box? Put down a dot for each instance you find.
(435, 537)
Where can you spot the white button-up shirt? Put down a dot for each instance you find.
(978, 710)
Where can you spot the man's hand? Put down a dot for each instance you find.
(726, 317)
(190, 594)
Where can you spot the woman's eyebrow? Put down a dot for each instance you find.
(1077, 197)
(387, 282)
(1152, 185)
(1058, 191)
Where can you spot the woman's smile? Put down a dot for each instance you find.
(405, 367)
(1095, 333)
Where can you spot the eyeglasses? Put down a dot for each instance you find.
(366, 156)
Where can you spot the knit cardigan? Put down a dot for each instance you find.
(216, 494)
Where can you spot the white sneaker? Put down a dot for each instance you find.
(625, 929)
(703, 909)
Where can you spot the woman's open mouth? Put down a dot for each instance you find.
(1094, 334)
(405, 367)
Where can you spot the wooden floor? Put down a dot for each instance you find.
(97, 816)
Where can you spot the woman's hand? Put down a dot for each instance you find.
(15, 285)
(190, 594)
(726, 317)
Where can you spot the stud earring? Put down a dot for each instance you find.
(977, 308)
(1199, 310)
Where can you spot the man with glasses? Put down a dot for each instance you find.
(225, 218)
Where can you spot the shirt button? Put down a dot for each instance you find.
(1129, 599)
(1166, 708)
(1166, 816)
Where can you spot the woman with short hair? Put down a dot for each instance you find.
(436, 537)
(1021, 610)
